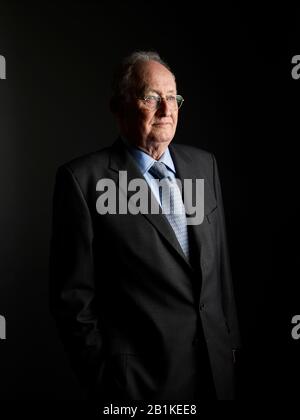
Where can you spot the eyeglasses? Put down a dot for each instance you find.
(154, 101)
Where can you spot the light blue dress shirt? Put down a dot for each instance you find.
(145, 161)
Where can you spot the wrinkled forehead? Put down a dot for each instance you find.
(153, 76)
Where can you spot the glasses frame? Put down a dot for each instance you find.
(159, 99)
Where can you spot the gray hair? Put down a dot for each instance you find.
(124, 78)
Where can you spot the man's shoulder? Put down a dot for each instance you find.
(193, 151)
(196, 156)
(89, 164)
(88, 160)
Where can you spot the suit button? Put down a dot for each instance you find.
(201, 307)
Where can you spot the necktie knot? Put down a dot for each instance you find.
(159, 170)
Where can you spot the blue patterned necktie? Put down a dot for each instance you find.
(172, 204)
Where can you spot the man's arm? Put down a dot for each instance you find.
(72, 277)
(229, 305)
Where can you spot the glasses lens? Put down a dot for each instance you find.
(151, 102)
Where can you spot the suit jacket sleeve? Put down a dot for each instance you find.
(229, 305)
(72, 278)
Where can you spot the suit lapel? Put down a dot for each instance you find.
(121, 160)
(187, 169)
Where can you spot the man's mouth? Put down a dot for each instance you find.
(162, 124)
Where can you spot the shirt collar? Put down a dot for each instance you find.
(145, 161)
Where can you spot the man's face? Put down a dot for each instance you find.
(151, 127)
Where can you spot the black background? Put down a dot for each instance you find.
(233, 67)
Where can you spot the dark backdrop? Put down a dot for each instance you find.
(233, 69)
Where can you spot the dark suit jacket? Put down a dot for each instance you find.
(139, 321)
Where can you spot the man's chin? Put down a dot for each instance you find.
(162, 137)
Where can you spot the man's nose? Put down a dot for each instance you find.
(164, 107)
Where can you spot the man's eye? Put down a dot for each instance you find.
(171, 98)
(151, 98)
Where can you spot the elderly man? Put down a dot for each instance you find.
(143, 300)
